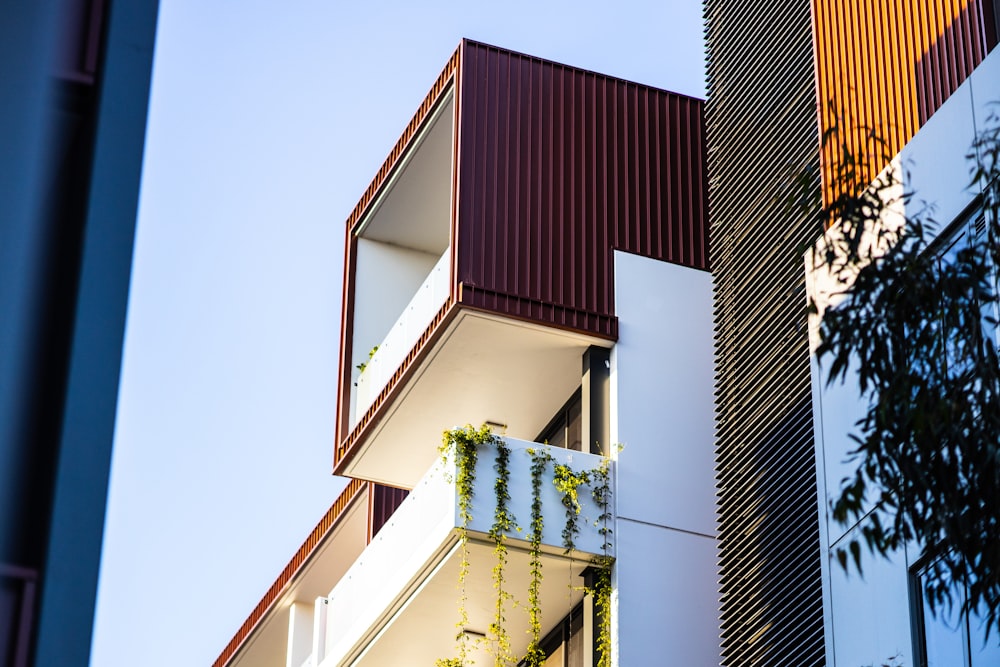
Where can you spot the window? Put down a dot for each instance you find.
(583, 422)
(564, 646)
(969, 231)
(566, 428)
(952, 637)
(948, 637)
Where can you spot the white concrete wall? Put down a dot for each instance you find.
(300, 634)
(483, 502)
(410, 541)
(404, 545)
(662, 415)
(402, 335)
(386, 278)
(868, 619)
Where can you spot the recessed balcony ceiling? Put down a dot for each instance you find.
(415, 208)
(483, 368)
(423, 629)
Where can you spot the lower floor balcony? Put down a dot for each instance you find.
(518, 525)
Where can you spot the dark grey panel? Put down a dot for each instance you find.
(761, 126)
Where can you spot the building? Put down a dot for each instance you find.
(532, 255)
(887, 612)
(74, 79)
(780, 77)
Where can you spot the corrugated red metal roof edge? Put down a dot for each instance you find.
(581, 70)
(325, 526)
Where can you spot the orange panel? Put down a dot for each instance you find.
(882, 68)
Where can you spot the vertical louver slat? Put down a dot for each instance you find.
(761, 122)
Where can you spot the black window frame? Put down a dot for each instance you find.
(563, 420)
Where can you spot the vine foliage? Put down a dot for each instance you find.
(465, 444)
(540, 460)
(601, 590)
(503, 523)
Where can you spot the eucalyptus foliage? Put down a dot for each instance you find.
(915, 328)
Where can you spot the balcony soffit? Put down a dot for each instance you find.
(483, 368)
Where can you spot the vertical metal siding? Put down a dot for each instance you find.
(382, 502)
(761, 119)
(558, 166)
(886, 67)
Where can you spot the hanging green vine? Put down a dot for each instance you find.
(601, 591)
(535, 656)
(601, 493)
(503, 522)
(464, 443)
(568, 482)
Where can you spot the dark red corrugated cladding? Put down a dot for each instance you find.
(556, 167)
(382, 502)
(559, 166)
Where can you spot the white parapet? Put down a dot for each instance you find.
(412, 560)
(402, 336)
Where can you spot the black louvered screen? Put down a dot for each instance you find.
(761, 120)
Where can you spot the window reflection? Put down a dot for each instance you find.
(950, 637)
(566, 428)
(564, 646)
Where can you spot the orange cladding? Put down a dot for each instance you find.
(884, 66)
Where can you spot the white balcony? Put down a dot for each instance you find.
(402, 336)
(398, 603)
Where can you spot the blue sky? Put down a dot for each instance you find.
(267, 121)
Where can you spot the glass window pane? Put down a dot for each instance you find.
(984, 654)
(944, 638)
(555, 658)
(574, 426)
(557, 437)
(574, 647)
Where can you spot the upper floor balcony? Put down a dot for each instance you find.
(398, 602)
(479, 261)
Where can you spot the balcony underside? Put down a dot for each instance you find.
(422, 626)
(483, 368)
(398, 603)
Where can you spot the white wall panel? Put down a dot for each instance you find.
(387, 278)
(871, 614)
(868, 619)
(662, 404)
(667, 597)
(985, 81)
(938, 172)
(840, 408)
